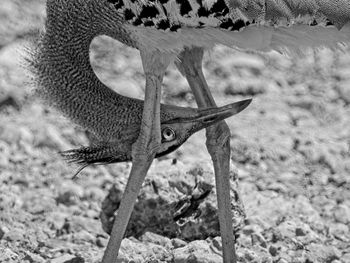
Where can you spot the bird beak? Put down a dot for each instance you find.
(208, 116)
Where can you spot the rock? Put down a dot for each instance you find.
(248, 255)
(156, 239)
(299, 232)
(340, 231)
(7, 255)
(217, 243)
(101, 242)
(344, 91)
(133, 250)
(258, 239)
(67, 258)
(84, 236)
(14, 235)
(323, 253)
(70, 194)
(346, 257)
(177, 242)
(198, 251)
(273, 251)
(342, 214)
(94, 193)
(3, 230)
(33, 258)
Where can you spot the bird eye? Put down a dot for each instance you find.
(168, 134)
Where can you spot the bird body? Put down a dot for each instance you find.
(65, 78)
(264, 25)
(165, 31)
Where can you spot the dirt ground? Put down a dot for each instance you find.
(290, 151)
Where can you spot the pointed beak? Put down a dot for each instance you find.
(203, 118)
(211, 116)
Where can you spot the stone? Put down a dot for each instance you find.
(3, 230)
(177, 242)
(34, 258)
(299, 232)
(7, 255)
(84, 235)
(258, 239)
(198, 251)
(14, 235)
(273, 251)
(156, 239)
(62, 259)
(101, 242)
(342, 214)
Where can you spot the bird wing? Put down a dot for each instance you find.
(284, 25)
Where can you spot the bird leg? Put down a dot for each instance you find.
(143, 150)
(218, 145)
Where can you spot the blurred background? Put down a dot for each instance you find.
(290, 151)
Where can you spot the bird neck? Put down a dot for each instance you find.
(63, 71)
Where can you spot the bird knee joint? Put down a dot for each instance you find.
(143, 150)
(218, 138)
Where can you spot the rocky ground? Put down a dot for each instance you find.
(290, 151)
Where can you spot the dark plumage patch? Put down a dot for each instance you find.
(201, 24)
(128, 14)
(203, 12)
(149, 12)
(234, 26)
(314, 23)
(174, 28)
(185, 7)
(117, 3)
(163, 24)
(219, 8)
(137, 22)
(329, 23)
(148, 23)
(227, 23)
(238, 25)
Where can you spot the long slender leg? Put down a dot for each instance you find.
(143, 150)
(218, 145)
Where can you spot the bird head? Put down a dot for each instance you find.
(177, 125)
(175, 131)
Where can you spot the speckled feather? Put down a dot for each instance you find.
(247, 24)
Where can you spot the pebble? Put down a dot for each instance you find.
(101, 242)
(63, 259)
(3, 230)
(273, 251)
(14, 235)
(7, 255)
(342, 214)
(300, 232)
(34, 258)
(258, 239)
(156, 239)
(85, 236)
(177, 242)
(344, 91)
(198, 251)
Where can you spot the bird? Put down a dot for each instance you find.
(164, 32)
